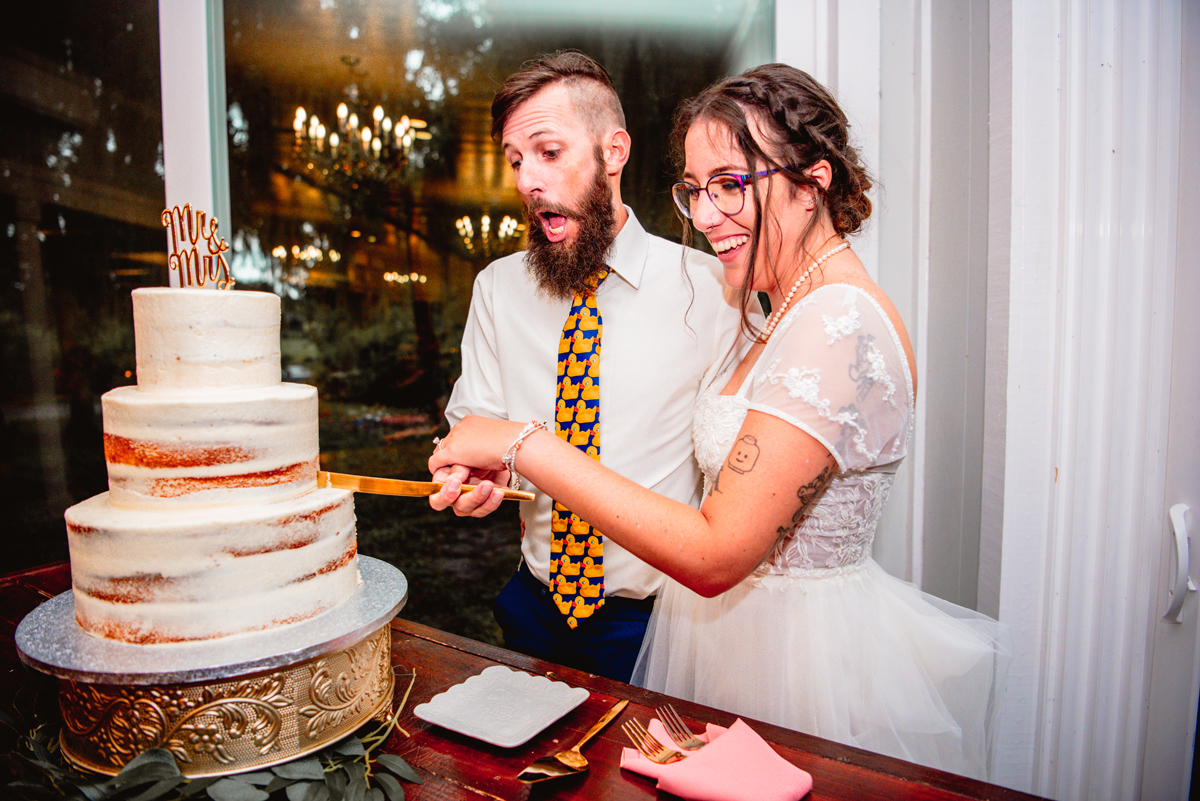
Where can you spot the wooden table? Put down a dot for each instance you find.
(455, 766)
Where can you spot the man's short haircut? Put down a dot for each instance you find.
(590, 87)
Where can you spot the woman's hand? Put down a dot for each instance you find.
(474, 448)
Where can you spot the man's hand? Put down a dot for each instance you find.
(480, 502)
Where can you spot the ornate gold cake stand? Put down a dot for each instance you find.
(221, 706)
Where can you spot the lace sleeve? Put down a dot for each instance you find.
(835, 368)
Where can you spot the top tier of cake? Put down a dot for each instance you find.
(204, 339)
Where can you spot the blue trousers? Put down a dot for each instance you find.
(606, 644)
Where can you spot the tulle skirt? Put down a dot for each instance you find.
(858, 657)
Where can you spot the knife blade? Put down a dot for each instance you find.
(393, 486)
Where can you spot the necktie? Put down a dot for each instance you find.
(577, 549)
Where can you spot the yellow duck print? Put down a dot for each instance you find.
(564, 413)
(593, 365)
(582, 608)
(562, 368)
(579, 528)
(558, 526)
(563, 606)
(583, 414)
(588, 321)
(567, 587)
(590, 391)
(575, 367)
(570, 390)
(578, 438)
(568, 569)
(592, 450)
(581, 344)
(564, 345)
(588, 590)
(595, 547)
(591, 569)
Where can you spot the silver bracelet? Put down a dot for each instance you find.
(510, 458)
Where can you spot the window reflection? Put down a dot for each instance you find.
(80, 198)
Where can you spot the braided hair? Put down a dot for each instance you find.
(801, 124)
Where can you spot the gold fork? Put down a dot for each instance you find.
(649, 747)
(679, 731)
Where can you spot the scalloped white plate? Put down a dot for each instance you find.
(501, 706)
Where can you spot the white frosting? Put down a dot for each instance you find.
(196, 449)
(205, 339)
(213, 525)
(148, 575)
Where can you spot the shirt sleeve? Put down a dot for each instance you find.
(479, 389)
(835, 368)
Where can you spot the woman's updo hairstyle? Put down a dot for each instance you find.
(802, 124)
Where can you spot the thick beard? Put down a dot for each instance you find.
(564, 269)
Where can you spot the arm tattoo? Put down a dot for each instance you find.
(806, 495)
(741, 460)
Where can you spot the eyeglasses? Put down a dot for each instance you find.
(726, 190)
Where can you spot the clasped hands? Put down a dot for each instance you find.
(472, 453)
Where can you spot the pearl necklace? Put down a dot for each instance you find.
(775, 317)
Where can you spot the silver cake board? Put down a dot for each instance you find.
(303, 685)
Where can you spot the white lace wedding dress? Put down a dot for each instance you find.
(820, 638)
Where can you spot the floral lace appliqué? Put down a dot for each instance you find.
(843, 326)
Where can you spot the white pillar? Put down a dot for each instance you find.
(195, 143)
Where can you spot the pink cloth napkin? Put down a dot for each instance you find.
(736, 765)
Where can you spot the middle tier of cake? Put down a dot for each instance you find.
(201, 449)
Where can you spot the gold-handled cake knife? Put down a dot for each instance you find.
(393, 486)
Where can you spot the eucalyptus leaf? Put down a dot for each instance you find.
(317, 791)
(300, 769)
(278, 783)
(300, 789)
(336, 781)
(143, 774)
(259, 778)
(374, 794)
(156, 756)
(159, 789)
(398, 766)
(390, 786)
(235, 790)
(200, 785)
(356, 789)
(351, 746)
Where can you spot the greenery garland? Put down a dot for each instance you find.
(350, 770)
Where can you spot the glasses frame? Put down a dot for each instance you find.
(741, 178)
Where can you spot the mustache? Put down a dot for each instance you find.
(537, 205)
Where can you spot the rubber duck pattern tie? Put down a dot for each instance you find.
(577, 549)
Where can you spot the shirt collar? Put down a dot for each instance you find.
(628, 255)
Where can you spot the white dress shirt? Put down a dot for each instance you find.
(666, 335)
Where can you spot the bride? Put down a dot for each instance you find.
(774, 608)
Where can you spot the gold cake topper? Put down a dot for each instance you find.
(187, 229)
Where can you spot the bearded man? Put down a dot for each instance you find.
(668, 327)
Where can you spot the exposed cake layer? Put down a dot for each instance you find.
(150, 576)
(205, 339)
(192, 449)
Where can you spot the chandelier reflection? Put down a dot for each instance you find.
(486, 242)
(356, 154)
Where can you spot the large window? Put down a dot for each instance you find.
(374, 259)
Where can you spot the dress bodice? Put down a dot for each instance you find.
(834, 367)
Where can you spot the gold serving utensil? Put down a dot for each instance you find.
(571, 761)
(392, 486)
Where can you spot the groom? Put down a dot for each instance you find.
(668, 327)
